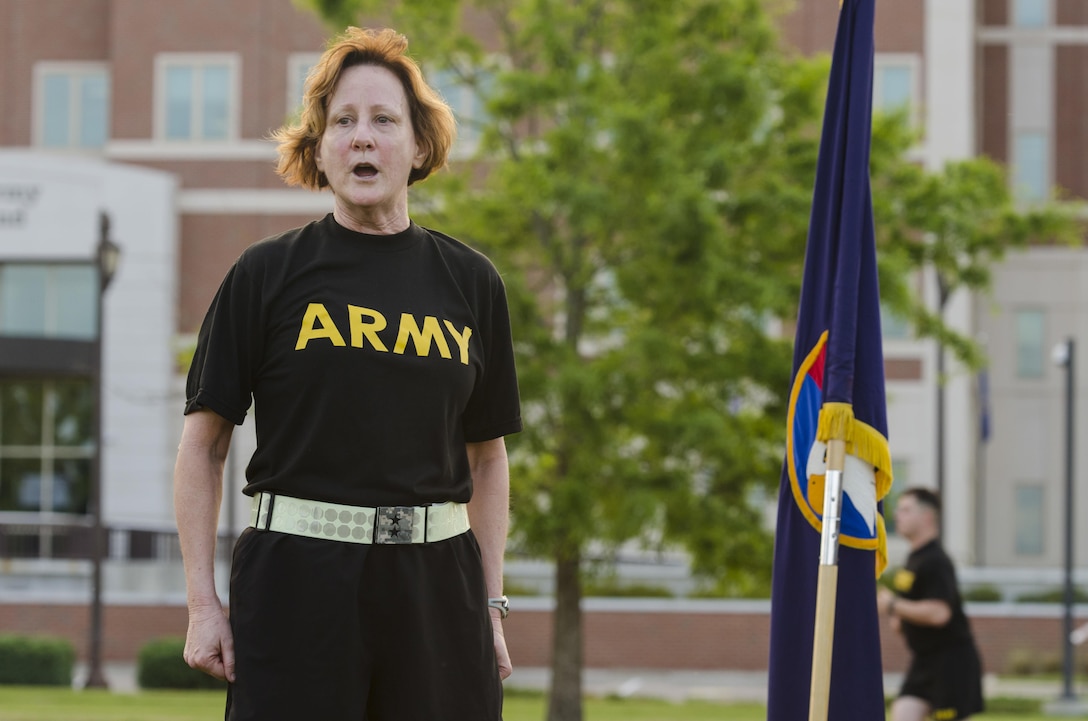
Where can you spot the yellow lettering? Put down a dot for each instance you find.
(370, 329)
(461, 339)
(317, 315)
(421, 338)
(366, 323)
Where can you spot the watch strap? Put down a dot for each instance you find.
(502, 603)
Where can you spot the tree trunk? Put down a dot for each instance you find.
(565, 696)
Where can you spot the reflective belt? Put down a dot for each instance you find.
(358, 524)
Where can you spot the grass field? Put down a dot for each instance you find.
(60, 704)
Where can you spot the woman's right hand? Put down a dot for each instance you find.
(209, 643)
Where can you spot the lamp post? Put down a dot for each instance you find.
(107, 257)
(1064, 356)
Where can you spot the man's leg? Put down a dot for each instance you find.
(910, 708)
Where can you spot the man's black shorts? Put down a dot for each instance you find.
(346, 632)
(950, 680)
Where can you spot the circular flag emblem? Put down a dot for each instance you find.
(867, 470)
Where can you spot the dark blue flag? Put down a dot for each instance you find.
(837, 393)
(984, 421)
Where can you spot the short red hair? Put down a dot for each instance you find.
(432, 119)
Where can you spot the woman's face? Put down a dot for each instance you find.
(369, 147)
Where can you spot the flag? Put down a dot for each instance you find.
(984, 420)
(837, 392)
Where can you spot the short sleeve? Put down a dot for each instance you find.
(229, 349)
(937, 581)
(494, 409)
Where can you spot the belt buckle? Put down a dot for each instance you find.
(393, 524)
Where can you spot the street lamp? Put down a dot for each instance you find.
(1063, 356)
(107, 258)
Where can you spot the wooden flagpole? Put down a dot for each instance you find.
(827, 583)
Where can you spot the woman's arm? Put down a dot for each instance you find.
(489, 516)
(198, 492)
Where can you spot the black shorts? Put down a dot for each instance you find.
(950, 680)
(346, 632)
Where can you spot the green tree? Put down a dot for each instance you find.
(633, 199)
(643, 181)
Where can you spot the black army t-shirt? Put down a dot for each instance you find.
(371, 361)
(929, 574)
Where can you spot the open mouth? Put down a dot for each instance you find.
(364, 170)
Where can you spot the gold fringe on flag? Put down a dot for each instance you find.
(837, 421)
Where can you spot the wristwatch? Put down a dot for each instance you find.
(502, 603)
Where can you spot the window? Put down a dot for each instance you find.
(467, 105)
(72, 105)
(1029, 519)
(895, 84)
(1031, 13)
(1031, 162)
(1030, 341)
(196, 97)
(298, 67)
(892, 325)
(46, 445)
(49, 300)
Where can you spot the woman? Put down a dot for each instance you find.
(379, 360)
